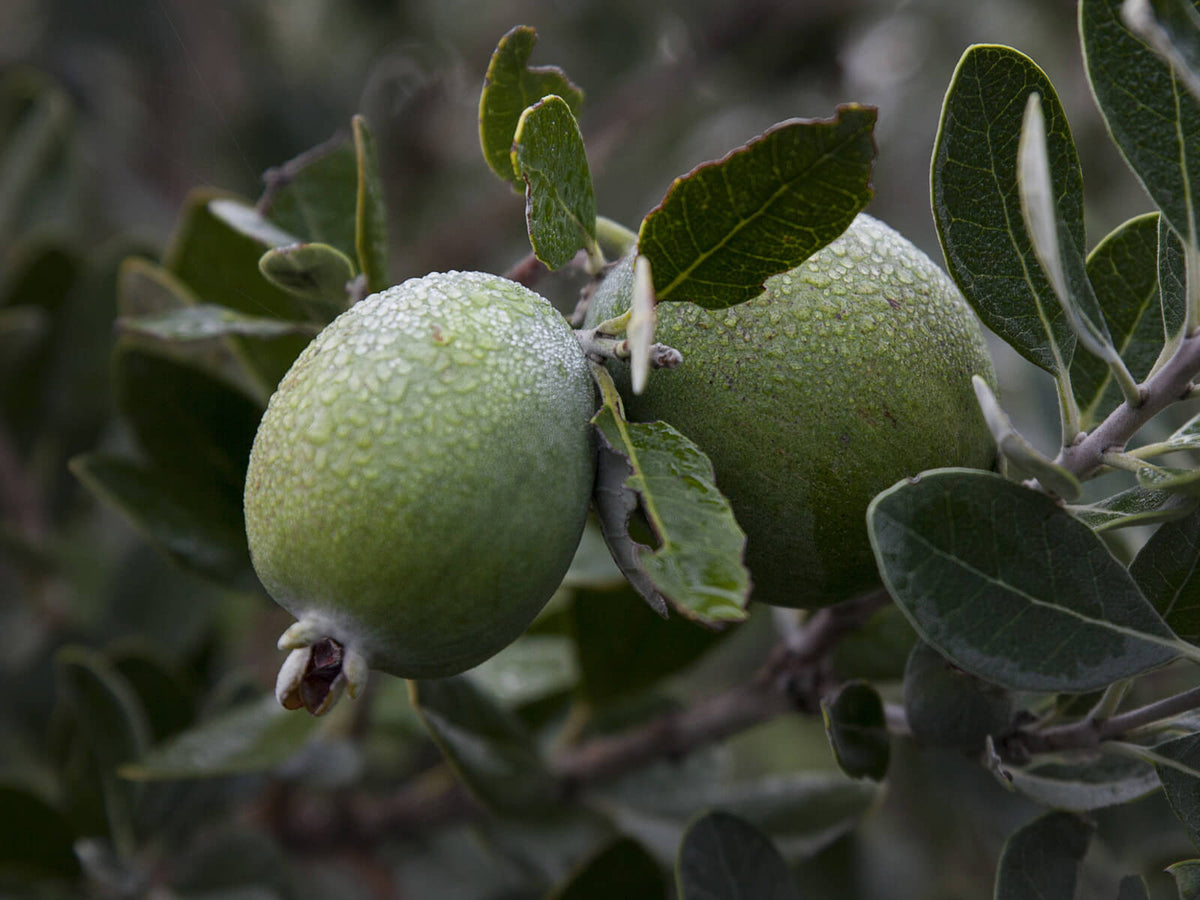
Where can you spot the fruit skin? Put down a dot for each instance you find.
(848, 373)
(421, 478)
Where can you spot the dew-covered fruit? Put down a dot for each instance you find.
(420, 481)
(846, 374)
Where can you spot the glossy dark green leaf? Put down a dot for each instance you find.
(1134, 506)
(1178, 767)
(728, 225)
(724, 857)
(1042, 859)
(314, 196)
(1011, 587)
(622, 868)
(1172, 281)
(510, 86)
(215, 251)
(697, 562)
(200, 530)
(1151, 114)
(1133, 887)
(253, 737)
(1123, 270)
(36, 841)
(370, 235)
(319, 273)
(857, 730)
(1167, 569)
(560, 206)
(1083, 786)
(204, 322)
(624, 647)
(489, 748)
(977, 208)
(1187, 878)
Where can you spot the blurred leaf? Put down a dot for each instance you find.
(510, 86)
(168, 701)
(1080, 787)
(145, 288)
(23, 330)
(857, 730)
(621, 869)
(977, 207)
(1172, 28)
(1179, 771)
(1170, 479)
(1042, 859)
(36, 842)
(205, 322)
(728, 225)
(250, 738)
(319, 273)
(1011, 587)
(1133, 887)
(697, 563)
(624, 647)
(1134, 506)
(1150, 113)
(946, 707)
(560, 207)
(234, 863)
(1123, 270)
(1187, 878)
(1166, 570)
(592, 565)
(488, 747)
(370, 214)
(201, 530)
(531, 668)
(723, 857)
(878, 650)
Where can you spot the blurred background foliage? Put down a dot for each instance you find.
(110, 114)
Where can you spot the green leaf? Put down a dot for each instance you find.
(621, 868)
(205, 322)
(1172, 282)
(1133, 887)
(697, 563)
(724, 857)
(319, 273)
(728, 225)
(200, 530)
(977, 207)
(509, 87)
(1081, 787)
(1123, 270)
(624, 647)
(1150, 113)
(1187, 878)
(857, 730)
(315, 196)
(560, 207)
(877, 650)
(1042, 859)
(1134, 506)
(370, 215)
(1178, 765)
(1167, 569)
(1171, 479)
(250, 738)
(167, 698)
(1011, 587)
(488, 747)
(946, 707)
(1186, 437)
(531, 668)
(36, 841)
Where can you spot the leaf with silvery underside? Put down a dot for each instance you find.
(1187, 878)
(1123, 271)
(696, 564)
(510, 86)
(205, 321)
(1167, 569)
(560, 207)
(1042, 859)
(1011, 587)
(318, 273)
(1134, 506)
(724, 857)
(370, 212)
(977, 207)
(727, 226)
(1084, 786)
(1171, 479)
(857, 730)
(1152, 116)
(486, 744)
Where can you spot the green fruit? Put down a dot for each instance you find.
(421, 478)
(848, 373)
(947, 707)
